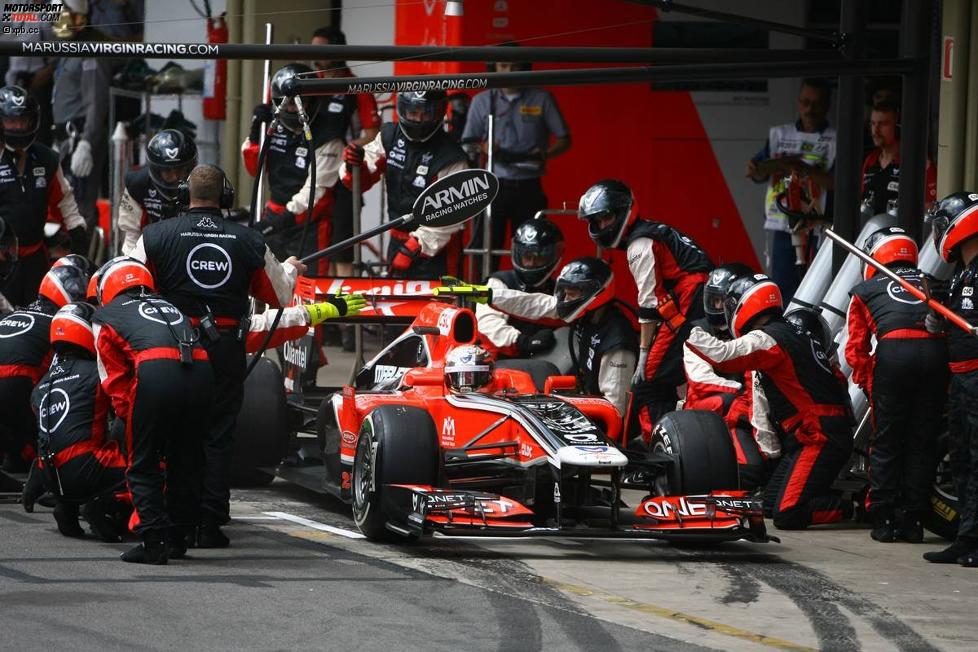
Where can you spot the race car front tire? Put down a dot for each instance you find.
(398, 444)
(704, 458)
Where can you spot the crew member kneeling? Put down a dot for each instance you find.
(808, 398)
(159, 380)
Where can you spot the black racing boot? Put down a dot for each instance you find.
(33, 489)
(884, 527)
(209, 535)
(152, 550)
(99, 519)
(911, 529)
(66, 516)
(969, 560)
(176, 538)
(950, 555)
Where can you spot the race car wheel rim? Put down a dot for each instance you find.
(363, 473)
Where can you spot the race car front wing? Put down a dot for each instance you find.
(718, 516)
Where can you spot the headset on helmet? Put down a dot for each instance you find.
(889, 245)
(171, 155)
(77, 260)
(468, 368)
(954, 220)
(63, 285)
(810, 322)
(289, 116)
(748, 298)
(537, 248)
(715, 292)
(9, 253)
(19, 117)
(72, 326)
(120, 274)
(584, 285)
(608, 197)
(226, 202)
(421, 113)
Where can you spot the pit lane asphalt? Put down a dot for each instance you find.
(295, 579)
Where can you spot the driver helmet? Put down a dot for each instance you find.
(468, 368)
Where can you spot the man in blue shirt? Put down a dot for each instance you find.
(524, 122)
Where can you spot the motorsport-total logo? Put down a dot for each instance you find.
(30, 15)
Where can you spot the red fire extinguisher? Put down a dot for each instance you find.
(216, 72)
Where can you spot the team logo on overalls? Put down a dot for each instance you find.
(54, 406)
(209, 266)
(15, 324)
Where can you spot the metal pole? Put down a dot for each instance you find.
(849, 152)
(120, 141)
(668, 5)
(265, 82)
(487, 215)
(303, 52)
(915, 31)
(357, 260)
(570, 77)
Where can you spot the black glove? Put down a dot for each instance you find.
(273, 222)
(538, 342)
(262, 113)
(79, 240)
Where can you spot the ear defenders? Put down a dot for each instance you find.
(227, 193)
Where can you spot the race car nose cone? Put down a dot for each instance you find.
(591, 456)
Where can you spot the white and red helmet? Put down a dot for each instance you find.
(954, 220)
(748, 298)
(887, 246)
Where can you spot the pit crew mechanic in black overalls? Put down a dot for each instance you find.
(412, 154)
(603, 341)
(808, 398)
(207, 267)
(538, 246)
(157, 377)
(25, 353)
(150, 193)
(955, 228)
(669, 270)
(906, 412)
(76, 462)
(288, 156)
(32, 190)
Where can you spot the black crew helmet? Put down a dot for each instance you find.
(19, 117)
(171, 155)
(715, 291)
(289, 116)
(811, 323)
(613, 197)
(584, 285)
(421, 113)
(541, 239)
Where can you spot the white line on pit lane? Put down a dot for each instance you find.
(315, 525)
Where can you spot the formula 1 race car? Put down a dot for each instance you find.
(530, 457)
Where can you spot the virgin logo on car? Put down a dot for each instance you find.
(15, 325)
(54, 405)
(209, 266)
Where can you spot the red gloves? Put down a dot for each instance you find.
(353, 155)
(406, 253)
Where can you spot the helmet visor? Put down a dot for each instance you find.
(535, 262)
(167, 178)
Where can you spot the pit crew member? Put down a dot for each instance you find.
(669, 270)
(150, 193)
(808, 399)
(32, 190)
(538, 246)
(411, 154)
(158, 379)
(906, 415)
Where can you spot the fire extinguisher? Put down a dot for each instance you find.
(216, 72)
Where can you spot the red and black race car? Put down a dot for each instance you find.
(528, 457)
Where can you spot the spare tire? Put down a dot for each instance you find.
(704, 458)
(261, 436)
(539, 370)
(406, 453)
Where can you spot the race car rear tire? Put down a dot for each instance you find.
(539, 370)
(703, 454)
(405, 445)
(944, 514)
(261, 437)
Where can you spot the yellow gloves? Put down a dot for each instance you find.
(341, 305)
